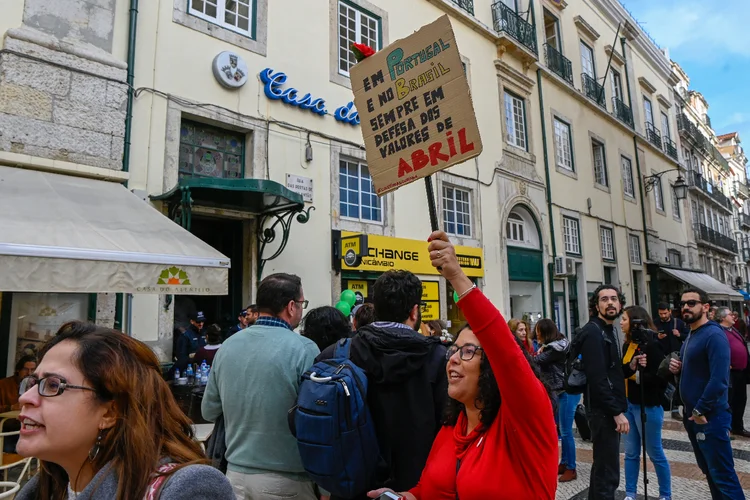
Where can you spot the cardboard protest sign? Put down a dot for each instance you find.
(415, 108)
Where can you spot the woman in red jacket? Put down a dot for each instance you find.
(499, 421)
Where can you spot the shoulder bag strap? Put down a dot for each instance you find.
(154, 487)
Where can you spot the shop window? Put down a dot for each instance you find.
(235, 15)
(515, 121)
(456, 211)
(355, 26)
(515, 228)
(207, 151)
(357, 198)
(571, 235)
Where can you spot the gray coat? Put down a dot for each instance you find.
(194, 481)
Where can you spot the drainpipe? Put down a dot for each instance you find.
(130, 79)
(551, 267)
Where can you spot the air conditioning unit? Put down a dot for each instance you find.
(564, 266)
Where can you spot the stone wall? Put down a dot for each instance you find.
(61, 101)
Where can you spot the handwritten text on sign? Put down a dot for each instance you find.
(415, 108)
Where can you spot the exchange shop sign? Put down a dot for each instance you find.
(430, 300)
(386, 254)
(415, 107)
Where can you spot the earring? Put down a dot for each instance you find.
(97, 446)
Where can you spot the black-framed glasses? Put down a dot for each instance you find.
(467, 351)
(303, 303)
(50, 386)
(689, 303)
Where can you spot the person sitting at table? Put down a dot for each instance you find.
(99, 416)
(9, 386)
(213, 342)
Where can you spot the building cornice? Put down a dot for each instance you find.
(650, 87)
(616, 56)
(586, 28)
(664, 101)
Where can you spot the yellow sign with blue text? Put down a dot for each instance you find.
(385, 254)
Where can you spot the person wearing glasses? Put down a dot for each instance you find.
(703, 371)
(254, 381)
(99, 416)
(498, 439)
(407, 384)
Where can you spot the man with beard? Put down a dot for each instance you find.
(704, 383)
(407, 383)
(672, 333)
(605, 392)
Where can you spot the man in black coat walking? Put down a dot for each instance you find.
(672, 333)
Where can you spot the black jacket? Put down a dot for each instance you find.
(670, 343)
(551, 361)
(602, 363)
(407, 393)
(653, 384)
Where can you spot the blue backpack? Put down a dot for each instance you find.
(333, 426)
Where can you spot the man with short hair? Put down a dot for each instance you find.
(190, 340)
(704, 380)
(254, 382)
(243, 321)
(604, 397)
(252, 314)
(738, 358)
(672, 332)
(408, 386)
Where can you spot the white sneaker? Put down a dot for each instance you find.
(629, 498)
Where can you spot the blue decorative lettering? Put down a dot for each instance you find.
(347, 115)
(272, 88)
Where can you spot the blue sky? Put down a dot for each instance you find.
(709, 39)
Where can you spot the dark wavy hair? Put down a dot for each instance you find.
(594, 299)
(325, 326)
(489, 398)
(547, 331)
(638, 313)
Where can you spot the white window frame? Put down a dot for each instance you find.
(587, 63)
(665, 128)
(515, 226)
(563, 145)
(221, 10)
(572, 235)
(450, 195)
(617, 85)
(360, 15)
(658, 195)
(600, 164)
(648, 109)
(628, 186)
(515, 125)
(676, 210)
(379, 201)
(607, 243)
(634, 246)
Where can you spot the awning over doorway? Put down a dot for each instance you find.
(60, 233)
(715, 289)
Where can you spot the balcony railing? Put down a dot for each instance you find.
(670, 148)
(558, 63)
(593, 90)
(746, 254)
(653, 134)
(622, 111)
(741, 190)
(745, 220)
(693, 133)
(467, 5)
(506, 20)
(697, 180)
(714, 237)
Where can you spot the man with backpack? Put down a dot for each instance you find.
(407, 382)
(604, 396)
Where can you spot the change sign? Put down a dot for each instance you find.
(416, 112)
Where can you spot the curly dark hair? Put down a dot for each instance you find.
(325, 326)
(594, 299)
(489, 398)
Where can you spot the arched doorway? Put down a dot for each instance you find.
(525, 265)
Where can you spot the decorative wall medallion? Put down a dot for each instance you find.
(230, 70)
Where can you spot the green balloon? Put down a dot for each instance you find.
(349, 297)
(344, 307)
(455, 296)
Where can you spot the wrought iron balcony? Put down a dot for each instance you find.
(670, 148)
(506, 20)
(467, 5)
(696, 180)
(593, 90)
(746, 254)
(623, 112)
(692, 132)
(653, 134)
(708, 235)
(741, 190)
(558, 63)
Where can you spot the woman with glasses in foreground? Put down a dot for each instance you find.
(100, 418)
(498, 440)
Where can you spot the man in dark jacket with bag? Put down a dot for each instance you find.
(604, 397)
(672, 332)
(408, 386)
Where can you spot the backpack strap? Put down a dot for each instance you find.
(342, 348)
(154, 486)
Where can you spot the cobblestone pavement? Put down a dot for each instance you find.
(688, 482)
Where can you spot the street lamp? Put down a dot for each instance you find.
(680, 187)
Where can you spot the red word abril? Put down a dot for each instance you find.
(435, 153)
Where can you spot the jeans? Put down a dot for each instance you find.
(738, 399)
(605, 471)
(566, 411)
(713, 452)
(268, 486)
(654, 448)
